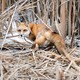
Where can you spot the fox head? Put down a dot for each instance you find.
(23, 29)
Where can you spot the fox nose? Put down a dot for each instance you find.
(21, 35)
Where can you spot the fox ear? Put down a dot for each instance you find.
(17, 23)
(31, 25)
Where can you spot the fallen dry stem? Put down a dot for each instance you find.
(68, 56)
(27, 66)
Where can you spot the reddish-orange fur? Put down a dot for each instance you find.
(41, 33)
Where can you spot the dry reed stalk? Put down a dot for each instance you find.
(39, 72)
(3, 8)
(34, 57)
(57, 27)
(38, 8)
(8, 28)
(53, 13)
(69, 21)
(47, 58)
(59, 74)
(72, 50)
(68, 67)
(1, 68)
(71, 58)
(3, 56)
(45, 17)
(73, 26)
(63, 18)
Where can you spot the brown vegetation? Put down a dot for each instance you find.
(62, 16)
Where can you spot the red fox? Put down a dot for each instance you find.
(40, 33)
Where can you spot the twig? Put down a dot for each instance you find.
(46, 58)
(41, 64)
(72, 40)
(72, 50)
(59, 74)
(69, 57)
(42, 74)
(42, 21)
(57, 27)
(28, 40)
(3, 56)
(34, 57)
(68, 67)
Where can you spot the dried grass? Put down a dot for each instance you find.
(39, 65)
(27, 64)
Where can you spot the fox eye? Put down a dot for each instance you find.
(19, 30)
(24, 30)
